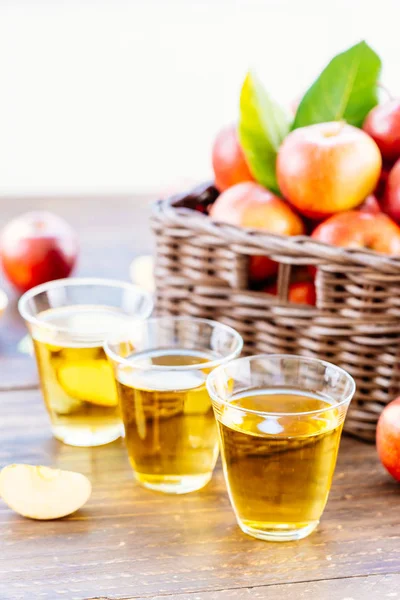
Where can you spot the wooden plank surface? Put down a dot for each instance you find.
(132, 543)
(377, 587)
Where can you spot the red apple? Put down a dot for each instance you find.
(388, 438)
(37, 247)
(301, 292)
(380, 189)
(327, 168)
(391, 199)
(383, 125)
(253, 206)
(261, 267)
(370, 205)
(356, 229)
(228, 160)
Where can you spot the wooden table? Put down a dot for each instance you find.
(131, 543)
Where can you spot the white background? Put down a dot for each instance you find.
(125, 96)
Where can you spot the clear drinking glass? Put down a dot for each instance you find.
(68, 320)
(160, 369)
(280, 419)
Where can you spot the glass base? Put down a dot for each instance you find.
(86, 437)
(173, 484)
(273, 532)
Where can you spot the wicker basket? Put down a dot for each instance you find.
(202, 271)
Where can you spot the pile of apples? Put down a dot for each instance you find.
(339, 184)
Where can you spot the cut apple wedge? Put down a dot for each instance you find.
(89, 381)
(57, 399)
(43, 493)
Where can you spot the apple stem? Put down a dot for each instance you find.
(386, 90)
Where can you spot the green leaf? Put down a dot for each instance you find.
(263, 125)
(346, 89)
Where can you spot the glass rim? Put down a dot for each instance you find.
(78, 282)
(346, 400)
(121, 360)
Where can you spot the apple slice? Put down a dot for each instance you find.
(89, 381)
(43, 493)
(60, 402)
(56, 398)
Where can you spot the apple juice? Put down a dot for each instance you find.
(279, 467)
(170, 429)
(76, 378)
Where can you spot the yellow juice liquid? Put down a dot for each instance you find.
(170, 430)
(76, 378)
(279, 468)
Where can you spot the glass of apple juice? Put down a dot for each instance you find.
(69, 320)
(280, 419)
(160, 368)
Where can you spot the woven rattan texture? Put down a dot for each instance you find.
(201, 270)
